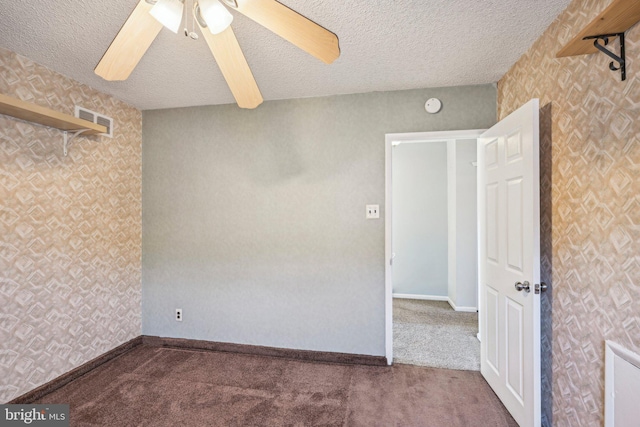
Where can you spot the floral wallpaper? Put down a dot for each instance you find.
(70, 231)
(590, 164)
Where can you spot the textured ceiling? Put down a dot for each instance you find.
(385, 45)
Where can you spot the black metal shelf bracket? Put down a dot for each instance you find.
(619, 59)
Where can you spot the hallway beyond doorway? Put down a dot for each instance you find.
(431, 333)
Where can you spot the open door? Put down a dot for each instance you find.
(509, 261)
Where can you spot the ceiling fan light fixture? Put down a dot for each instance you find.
(216, 16)
(168, 13)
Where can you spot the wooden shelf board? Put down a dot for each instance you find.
(44, 116)
(617, 18)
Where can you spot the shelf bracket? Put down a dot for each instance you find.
(619, 59)
(68, 139)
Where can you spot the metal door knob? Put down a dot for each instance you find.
(542, 287)
(526, 286)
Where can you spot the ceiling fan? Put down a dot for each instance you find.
(214, 19)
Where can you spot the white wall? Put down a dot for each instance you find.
(463, 240)
(420, 218)
(434, 221)
(451, 218)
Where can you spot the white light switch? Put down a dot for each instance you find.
(373, 211)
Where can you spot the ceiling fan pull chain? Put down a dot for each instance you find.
(193, 33)
(184, 17)
(191, 17)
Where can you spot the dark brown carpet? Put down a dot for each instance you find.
(153, 386)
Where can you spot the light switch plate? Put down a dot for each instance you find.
(373, 211)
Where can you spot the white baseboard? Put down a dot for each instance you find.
(424, 297)
(464, 309)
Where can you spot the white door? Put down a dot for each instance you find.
(509, 267)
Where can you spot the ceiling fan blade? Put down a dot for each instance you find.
(131, 43)
(291, 26)
(234, 67)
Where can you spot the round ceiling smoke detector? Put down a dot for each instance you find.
(433, 105)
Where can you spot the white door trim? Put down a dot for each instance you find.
(390, 139)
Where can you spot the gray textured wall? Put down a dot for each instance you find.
(254, 221)
(420, 232)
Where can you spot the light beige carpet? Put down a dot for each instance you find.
(431, 333)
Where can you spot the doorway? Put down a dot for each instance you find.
(431, 249)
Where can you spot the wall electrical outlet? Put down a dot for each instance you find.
(178, 315)
(373, 211)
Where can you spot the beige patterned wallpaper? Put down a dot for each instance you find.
(70, 232)
(593, 140)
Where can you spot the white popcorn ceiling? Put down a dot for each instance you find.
(385, 45)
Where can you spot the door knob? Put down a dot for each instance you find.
(526, 286)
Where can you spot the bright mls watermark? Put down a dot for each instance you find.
(34, 415)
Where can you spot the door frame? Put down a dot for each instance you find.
(390, 139)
